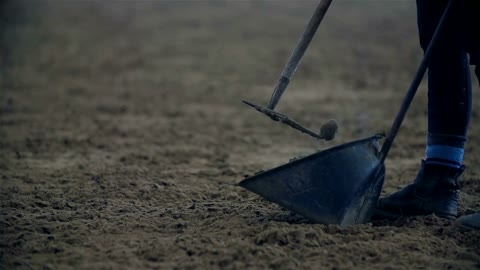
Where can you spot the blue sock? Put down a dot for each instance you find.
(445, 150)
(445, 155)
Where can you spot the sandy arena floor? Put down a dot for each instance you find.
(123, 136)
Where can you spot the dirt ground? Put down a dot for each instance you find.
(123, 137)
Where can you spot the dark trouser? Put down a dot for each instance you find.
(449, 83)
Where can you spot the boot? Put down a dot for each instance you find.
(435, 190)
(470, 222)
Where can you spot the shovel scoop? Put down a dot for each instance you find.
(336, 186)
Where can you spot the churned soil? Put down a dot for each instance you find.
(123, 137)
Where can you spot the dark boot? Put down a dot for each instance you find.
(434, 191)
(470, 222)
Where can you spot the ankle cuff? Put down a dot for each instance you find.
(445, 153)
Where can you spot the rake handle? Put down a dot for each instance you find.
(412, 90)
(298, 52)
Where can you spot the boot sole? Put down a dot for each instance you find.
(465, 228)
(380, 214)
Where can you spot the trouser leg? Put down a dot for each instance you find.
(449, 86)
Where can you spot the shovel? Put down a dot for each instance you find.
(340, 185)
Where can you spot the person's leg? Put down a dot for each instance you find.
(436, 188)
(449, 85)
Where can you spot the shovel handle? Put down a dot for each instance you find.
(298, 52)
(414, 85)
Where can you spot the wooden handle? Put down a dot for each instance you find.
(298, 52)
